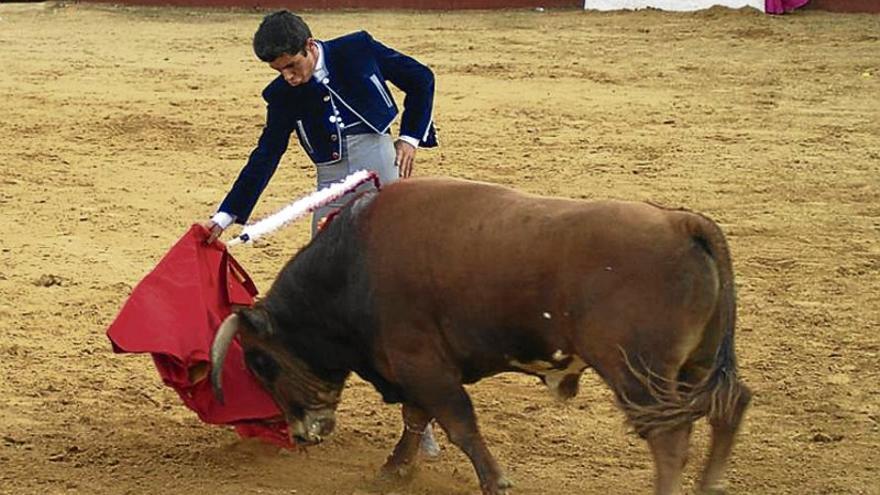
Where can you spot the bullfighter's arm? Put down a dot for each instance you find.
(260, 166)
(417, 81)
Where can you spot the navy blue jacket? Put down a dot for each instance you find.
(359, 67)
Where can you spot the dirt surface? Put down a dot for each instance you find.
(119, 127)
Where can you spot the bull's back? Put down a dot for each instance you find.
(459, 232)
(471, 215)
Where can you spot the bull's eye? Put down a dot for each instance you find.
(262, 365)
(296, 410)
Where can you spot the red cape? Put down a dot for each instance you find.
(173, 314)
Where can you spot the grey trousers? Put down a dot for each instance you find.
(360, 152)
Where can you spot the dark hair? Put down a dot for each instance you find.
(281, 32)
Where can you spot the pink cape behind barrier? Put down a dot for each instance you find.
(173, 314)
(783, 6)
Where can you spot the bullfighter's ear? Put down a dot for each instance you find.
(256, 321)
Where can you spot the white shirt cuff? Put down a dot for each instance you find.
(411, 140)
(223, 219)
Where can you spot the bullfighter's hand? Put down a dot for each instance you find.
(406, 155)
(215, 231)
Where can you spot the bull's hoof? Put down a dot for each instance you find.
(397, 472)
(712, 490)
(500, 487)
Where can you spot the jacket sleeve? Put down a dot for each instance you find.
(417, 81)
(261, 165)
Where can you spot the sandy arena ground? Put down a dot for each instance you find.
(119, 127)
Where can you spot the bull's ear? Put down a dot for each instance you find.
(256, 321)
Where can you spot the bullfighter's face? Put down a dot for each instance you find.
(298, 68)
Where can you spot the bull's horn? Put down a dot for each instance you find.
(219, 348)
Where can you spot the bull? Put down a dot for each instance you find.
(435, 283)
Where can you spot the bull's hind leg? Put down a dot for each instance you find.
(401, 462)
(670, 450)
(724, 431)
(650, 403)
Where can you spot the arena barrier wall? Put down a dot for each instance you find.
(364, 4)
(869, 6)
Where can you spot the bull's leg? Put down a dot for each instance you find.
(649, 401)
(670, 450)
(723, 434)
(430, 380)
(402, 461)
(455, 413)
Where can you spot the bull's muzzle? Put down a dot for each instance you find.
(314, 427)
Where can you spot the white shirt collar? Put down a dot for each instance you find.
(320, 66)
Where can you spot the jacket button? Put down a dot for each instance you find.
(333, 137)
(334, 155)
(326, 80)
(332, 118)
(326, 98)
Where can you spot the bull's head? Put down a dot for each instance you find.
(307, 401)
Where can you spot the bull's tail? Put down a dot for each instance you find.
(712, 388)
(720, 392)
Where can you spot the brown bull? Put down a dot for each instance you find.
(435, 283)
